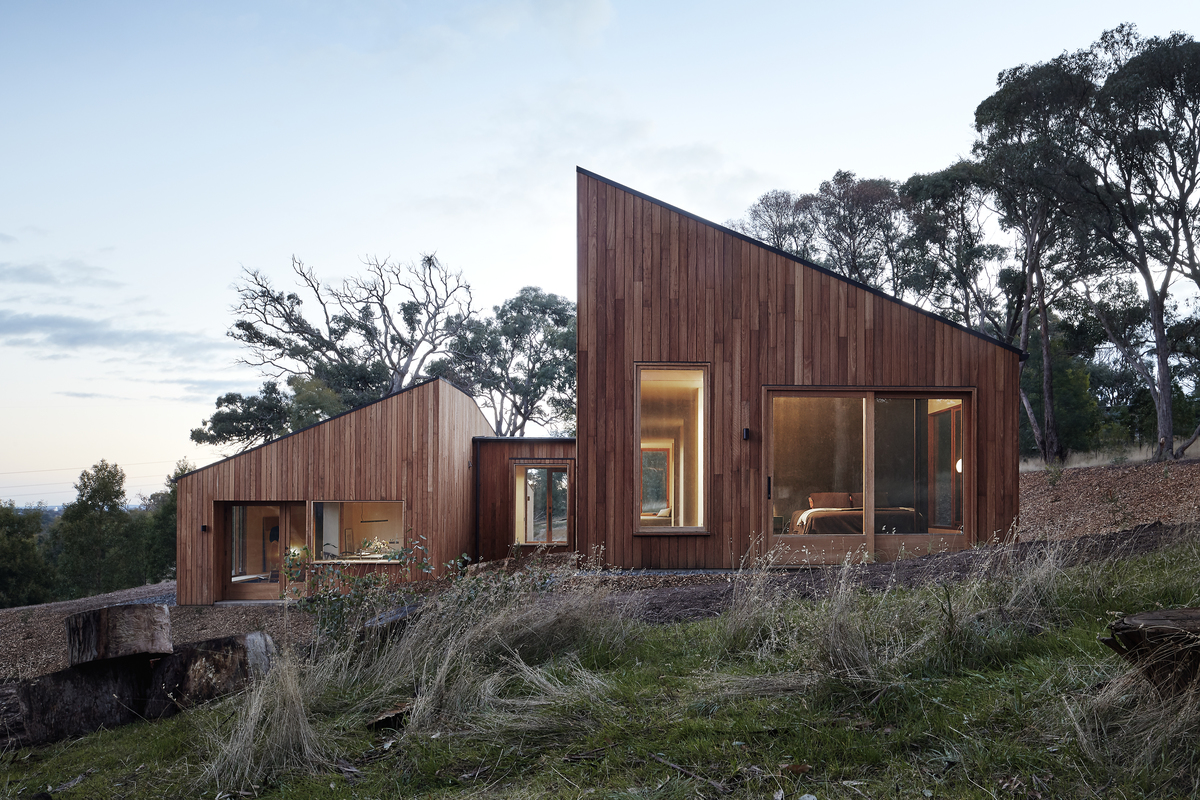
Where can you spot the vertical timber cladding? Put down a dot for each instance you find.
(496, 461)
(658, 285)
(414, 446)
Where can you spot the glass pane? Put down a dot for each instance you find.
(918, 464)
(817, 483)
(672, 448)
(558, 494)
(535, 506)
(255, 544)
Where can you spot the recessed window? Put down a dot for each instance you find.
(542, 505)
(671, 457)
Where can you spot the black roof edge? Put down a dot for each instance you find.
(322, 422)
(798, 260)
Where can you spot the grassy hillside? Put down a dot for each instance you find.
(990, 687)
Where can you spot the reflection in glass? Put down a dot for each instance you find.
(255, 552)
(542, 505)
(918, 443)
(818, 465)
(671, 410)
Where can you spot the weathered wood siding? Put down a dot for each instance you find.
(659, 285)
(496, 459)
(413, 447)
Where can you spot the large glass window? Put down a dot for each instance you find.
(918, 464)
(671, 460)
(357, 530)
(820, 466)
(817, 486)
(542, 504)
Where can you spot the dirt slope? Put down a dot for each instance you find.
(1147, 500)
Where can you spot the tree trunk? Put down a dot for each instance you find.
(1053, 446)
(74, 701)
(116, 631)
(201, 671)
(1164, 645)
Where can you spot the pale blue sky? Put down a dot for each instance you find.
(148, 150)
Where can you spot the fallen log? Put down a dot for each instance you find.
(201, 671)
(116, 691)
(74, 701)
(116, 631)
(1163, 644)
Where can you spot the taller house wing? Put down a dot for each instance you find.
(734, 398)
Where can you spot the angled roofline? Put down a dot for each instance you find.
(803, 261)
(405, 390)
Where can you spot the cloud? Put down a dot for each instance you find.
(58, 332)
(6, 239)
(70, 272)
(92, 396)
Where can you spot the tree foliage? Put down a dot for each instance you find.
(25, 577)
(369, 337)
(520, 362)
(96, 545)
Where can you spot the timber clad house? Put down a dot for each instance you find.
(733, 400)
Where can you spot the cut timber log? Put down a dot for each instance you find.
(116, 631)
(74, 701)
(117, 691)
(1164, 645)
(201, 671)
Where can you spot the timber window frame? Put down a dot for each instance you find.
(814, 545)
(684, 388)
(518, 479)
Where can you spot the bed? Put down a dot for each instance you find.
(842, 513)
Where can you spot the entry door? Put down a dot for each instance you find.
(257, 538)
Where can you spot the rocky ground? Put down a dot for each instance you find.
(1105, 511)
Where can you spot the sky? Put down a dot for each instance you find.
(151, 151)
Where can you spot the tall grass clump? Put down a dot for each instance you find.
(493, 654)
(864, 640)
(267, 731)
(1132, 732)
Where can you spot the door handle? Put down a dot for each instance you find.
(768, 487)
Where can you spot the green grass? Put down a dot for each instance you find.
(922, 693)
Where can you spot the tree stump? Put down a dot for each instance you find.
(1163, 644)
(116, 631)
(201, 671)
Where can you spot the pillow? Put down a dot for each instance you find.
(829, 500)
(664, 512)
(856, 499)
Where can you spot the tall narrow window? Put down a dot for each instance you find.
(543, 505)
(671, 462)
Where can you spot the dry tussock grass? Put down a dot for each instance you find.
(866, 640)
(495, 654)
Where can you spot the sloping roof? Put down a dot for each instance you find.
(803, 261)
(405, 390)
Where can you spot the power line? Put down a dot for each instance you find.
(72, 469)
(60, 483)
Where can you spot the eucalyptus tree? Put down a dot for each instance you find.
(777, 219)
(1130, 182)
(520, 362)
(335, 347)
(1020, 127)
(960, 265)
